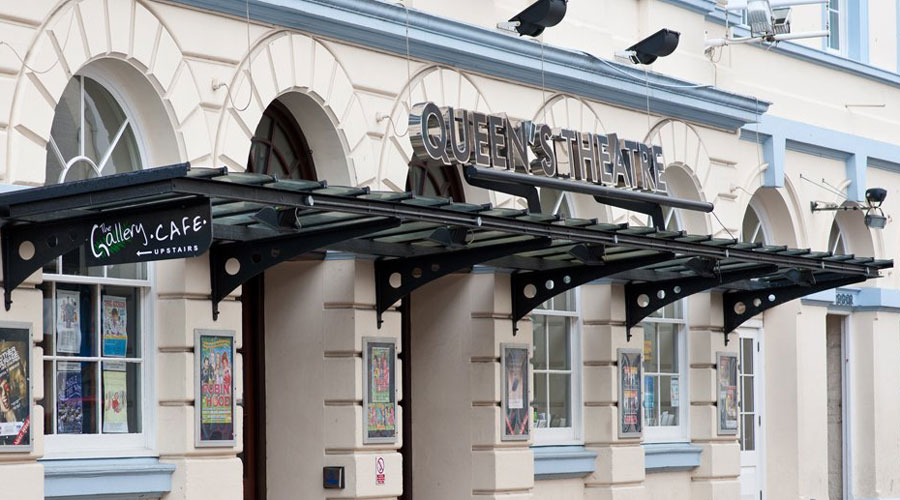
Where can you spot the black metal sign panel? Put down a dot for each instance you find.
(172, 232)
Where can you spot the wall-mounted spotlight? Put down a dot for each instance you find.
(659, 44)
(532, 21)
(874, 215)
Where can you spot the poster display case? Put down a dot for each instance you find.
(379, 390)
(214, 388)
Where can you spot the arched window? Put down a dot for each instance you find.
(836, 240)
(96, 323)
(278, 146)
(441, 181)
(671, 220)
(752, 230)
(91, 135)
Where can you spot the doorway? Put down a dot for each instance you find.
(836, 384)
(751, 411)
(254, 401)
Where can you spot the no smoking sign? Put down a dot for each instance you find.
(379, 470)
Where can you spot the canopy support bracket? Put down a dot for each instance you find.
(397, 278)
(232, 264)
(738, 307)
(658, 294)
(40, 243)
(530, 290)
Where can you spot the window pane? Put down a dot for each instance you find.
(565, 301)
(76, 398)
(650, 343)
(74, 306)
(668, 349)
(74, 264)
(558, 342)
(120, 321)
(560, 401)
(132, 271)
(668, 406)
(540, 343)
(650, 398)
(748, 431)
(49, 344)
(102, 119)
(125, 156)
(66, 127)
(834, 40)
(747, 356)
(540, 401)
(121, 397)
(747, 401)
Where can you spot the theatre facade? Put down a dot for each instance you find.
(358, 249)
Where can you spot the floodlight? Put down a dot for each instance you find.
(541, 14)
(759, 17)
(876, 221)
(875, 196)
(659, 44)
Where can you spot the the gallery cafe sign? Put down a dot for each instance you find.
(456, 136)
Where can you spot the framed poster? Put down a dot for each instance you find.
(68, 321)
(69, 394)
(115, 334)
(631, 372)
(727, 386)
(379, 390)
(213, 388)
(515, 407)
(15, 388)
(115, 398)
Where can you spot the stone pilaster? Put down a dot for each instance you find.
(182, 306)
(317, 314)
(620, 470)
(872, 381)
(20, 473)
(796, 447)
(458, 326)
(720, 459)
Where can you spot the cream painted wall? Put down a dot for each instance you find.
(169, 58)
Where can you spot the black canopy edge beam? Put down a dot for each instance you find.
(232, 264)
(740, 306)
(397, 278)
(509, 224)
(27, 247)
(532, 289)
(642, 299)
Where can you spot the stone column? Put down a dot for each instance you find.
(458, 326)
(317, 314)
(620, 470)
(20, 473)
(183, 305)
(720, 459)
(874, 403)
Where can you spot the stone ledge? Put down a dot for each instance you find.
(563, 462)
(106, 479)
(671, 457)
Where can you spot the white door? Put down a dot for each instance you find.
(751, 424)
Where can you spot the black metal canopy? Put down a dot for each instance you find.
(259, 221)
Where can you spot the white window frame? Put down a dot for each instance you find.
(843, 31)
(58, 446)
(680, 432)
(571, 435)
(574, 433)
